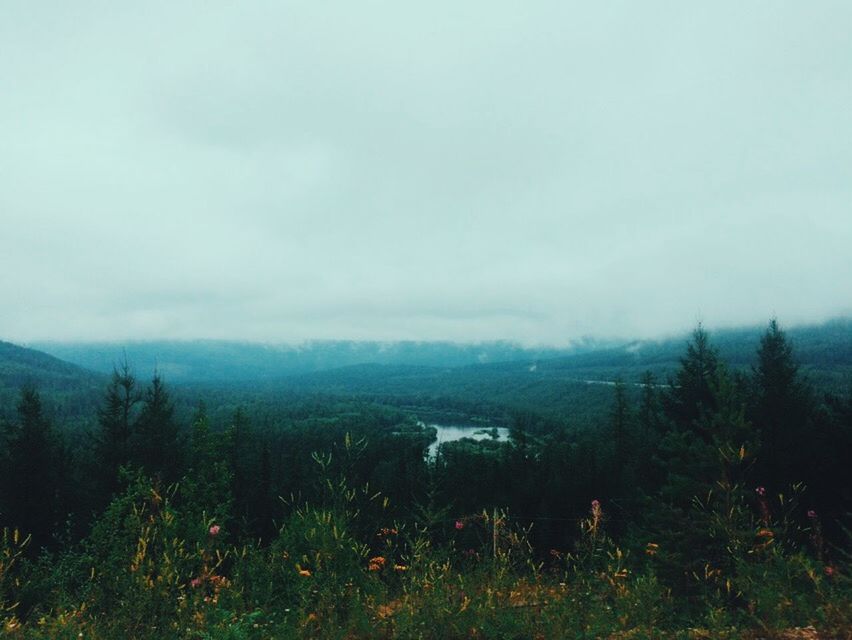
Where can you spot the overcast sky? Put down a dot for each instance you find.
(535, 171)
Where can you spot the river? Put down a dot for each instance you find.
(451, 432)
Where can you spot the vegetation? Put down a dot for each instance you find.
(711, 503)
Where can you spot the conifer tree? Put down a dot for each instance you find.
(698, 514)
(156, 445)
(207, 486)
(115, 420)
(30, 490)
(691, 393)
(780, 408)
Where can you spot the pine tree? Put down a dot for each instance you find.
(156, 444)
(692, 391)
(780, 409)
(30, 490)
(115, 419)
(697, 516)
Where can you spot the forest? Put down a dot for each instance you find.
(699, 495)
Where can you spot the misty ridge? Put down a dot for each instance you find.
(200, 360)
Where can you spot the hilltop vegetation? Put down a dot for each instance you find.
(710, 503)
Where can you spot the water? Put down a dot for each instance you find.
(449, 433)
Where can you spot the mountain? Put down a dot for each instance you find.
(576, 387)
(822, 348)
(211, 360)
(487, 379)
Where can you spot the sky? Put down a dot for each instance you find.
(530, 171)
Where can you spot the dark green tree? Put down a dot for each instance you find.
(207, 485)
(156, 444)
(691, 393)
(30, 487)
(115, 421)
(698, 515)
(780, 409)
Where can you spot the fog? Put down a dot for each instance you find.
(537, 171)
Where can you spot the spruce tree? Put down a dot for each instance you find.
(780, 409)
(30, 490)
(115, 420)
(156, 444)
(691, 392)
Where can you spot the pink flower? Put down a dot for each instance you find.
(195, 582)
(459, 525)
(829, 571)
(761, 491)
(214, 530)
(596, 504)
(812, 514)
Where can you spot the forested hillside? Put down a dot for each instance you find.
(231, 362)
(72, 389)
(491, 380)
(717, 500)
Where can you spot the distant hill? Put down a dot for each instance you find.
(577, 387)
(824, 350)
(826, 346)
(211, 360)
(487, 379)
(72, 390)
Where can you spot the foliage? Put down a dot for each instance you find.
(679, 510)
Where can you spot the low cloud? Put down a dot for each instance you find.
(286, 172)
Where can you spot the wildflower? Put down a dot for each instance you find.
(651, 548)
(812, 515)
(195, 583)
(765, 514)
(377, 563)
(829, 571)
(214, 530)
(765, 533)
(305, 573)
(219, 581)
(597, 516)
(400, 567)
(459, 525)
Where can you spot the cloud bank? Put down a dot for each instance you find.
(284, 171)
